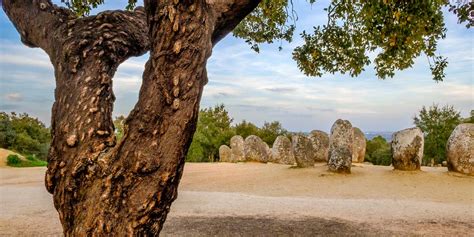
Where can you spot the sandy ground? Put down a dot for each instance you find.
(275, 200)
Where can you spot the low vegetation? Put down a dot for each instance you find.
(378, 151)
(14, 160)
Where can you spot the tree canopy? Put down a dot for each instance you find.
(397, 32)
(437, 124)
(24, 134)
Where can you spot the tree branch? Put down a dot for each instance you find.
(229, 13)
(37, 21)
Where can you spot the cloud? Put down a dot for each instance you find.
(13, 97)
(281, 89)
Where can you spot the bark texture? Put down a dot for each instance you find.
(101, 188)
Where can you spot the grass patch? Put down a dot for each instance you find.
(31, 161)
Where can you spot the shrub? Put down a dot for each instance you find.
(31, 158)
(13, 160)
(378, 151)
(31, 161)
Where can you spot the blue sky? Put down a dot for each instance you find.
(267, 86)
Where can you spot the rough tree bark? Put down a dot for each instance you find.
(101, 188)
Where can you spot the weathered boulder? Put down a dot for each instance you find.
(358, 148)
(303, 150)
(255, 149)
(237, 148)
(320, 142)
(224, 154)
(407, 149)
(282, 152)
(340, 147)
(460, 149)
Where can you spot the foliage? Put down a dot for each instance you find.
(378, 151)
(213, 130)
(396, 31)
(119, 127)
(268, 22)
(24, 134)
(83, 7)
(246, 129)
(13, 160)
(437, 124)
(464, 9)
(469, 119)
(382, 156)
(31, 161)
(270, 131)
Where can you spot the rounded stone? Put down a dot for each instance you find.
(303, 151)
(282, 152)
(358, 149)
(320, 142)
(407, 149)
(224, 154)
(237, 148)
(255, 149)
(460, 149)
(340, 147)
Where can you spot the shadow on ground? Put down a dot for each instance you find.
(263, 226)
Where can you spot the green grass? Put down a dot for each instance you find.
(31, 161)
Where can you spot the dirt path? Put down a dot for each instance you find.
(268, 200)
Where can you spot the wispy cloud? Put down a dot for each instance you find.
(13, 97)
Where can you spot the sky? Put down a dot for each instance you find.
(267, 86)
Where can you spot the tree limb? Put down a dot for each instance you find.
(229, 13)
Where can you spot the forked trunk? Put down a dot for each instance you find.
(102, 188)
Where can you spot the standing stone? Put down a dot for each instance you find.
(237, 148)
(282, 152)
(460, 149)
(407, 149)
(255, 149)
(340, 147)
(224, 154)
(320, 142)
(358, 149)
(303, 150)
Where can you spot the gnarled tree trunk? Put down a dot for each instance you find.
(102, 188)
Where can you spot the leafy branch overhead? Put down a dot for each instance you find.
(395, 32)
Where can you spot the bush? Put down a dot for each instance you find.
(31, 161)
(378, 151)
(13, 160)
(382, 157)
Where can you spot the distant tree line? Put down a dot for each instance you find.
(24, 134)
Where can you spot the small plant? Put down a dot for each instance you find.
(31, 157)
(13, 160)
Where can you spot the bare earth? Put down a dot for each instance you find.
(250, 199)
